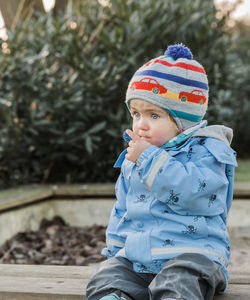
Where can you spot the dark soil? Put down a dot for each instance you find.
(55, 243)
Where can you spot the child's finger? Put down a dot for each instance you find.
(133, 136)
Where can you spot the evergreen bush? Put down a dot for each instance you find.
(63, 80)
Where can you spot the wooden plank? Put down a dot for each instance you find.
(82, 272)
(28, 282)
(15, 197)
(241, 189)
(239, 277)
(29, 296)
(235, 292)
(92, 189)
(52, 288)
(44, 271)
(40, 282)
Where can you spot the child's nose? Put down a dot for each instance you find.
(143, 124)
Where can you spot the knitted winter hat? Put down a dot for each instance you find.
(174, 82)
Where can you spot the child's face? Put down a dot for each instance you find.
(152, 123)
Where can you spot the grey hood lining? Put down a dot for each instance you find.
(219, 132)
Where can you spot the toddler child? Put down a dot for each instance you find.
(167, 235)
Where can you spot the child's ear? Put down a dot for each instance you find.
(173, 120)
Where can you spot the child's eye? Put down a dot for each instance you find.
(137, 115)
(155, 116)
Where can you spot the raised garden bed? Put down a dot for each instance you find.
(34, 235)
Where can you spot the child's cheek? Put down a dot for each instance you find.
(135, 128)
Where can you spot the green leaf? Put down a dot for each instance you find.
(88, 144)
(97, 127)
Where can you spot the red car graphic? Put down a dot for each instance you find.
(195, 96)
(148, 84)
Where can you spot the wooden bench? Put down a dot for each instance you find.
(33, 282)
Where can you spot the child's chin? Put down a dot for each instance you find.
(147, 139)
(156, 144)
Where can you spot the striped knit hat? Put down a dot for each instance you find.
(174, 82)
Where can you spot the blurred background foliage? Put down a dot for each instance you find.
(64, 74)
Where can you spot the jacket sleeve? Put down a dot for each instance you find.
(195, 186)
(115, 241)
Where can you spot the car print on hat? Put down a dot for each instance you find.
(148, 84)
(195, 96)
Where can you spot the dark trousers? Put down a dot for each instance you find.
(187, 276)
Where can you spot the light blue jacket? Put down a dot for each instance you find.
(174, 201)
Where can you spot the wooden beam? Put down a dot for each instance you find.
(40, 282)
(44, 271)
(23, 195)
(32, 193)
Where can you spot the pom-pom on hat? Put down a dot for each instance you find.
(175, 82)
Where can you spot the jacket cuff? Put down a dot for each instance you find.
(146, 154)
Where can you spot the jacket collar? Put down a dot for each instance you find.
(183, 136)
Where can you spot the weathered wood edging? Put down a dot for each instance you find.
(25, 195)
(32, 282)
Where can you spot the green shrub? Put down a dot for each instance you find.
(240, 88)
(63, 81)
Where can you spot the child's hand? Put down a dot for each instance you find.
(136, 146)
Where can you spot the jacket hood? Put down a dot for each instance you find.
(219, 132)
